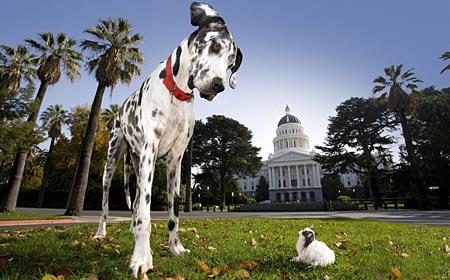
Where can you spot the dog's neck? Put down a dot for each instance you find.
(182, 77)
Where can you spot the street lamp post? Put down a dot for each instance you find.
(232, 198)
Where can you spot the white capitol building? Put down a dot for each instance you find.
(291, 172)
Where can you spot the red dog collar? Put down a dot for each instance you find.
(171, 86)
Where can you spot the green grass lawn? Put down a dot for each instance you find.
(364, 250)
(15, 216)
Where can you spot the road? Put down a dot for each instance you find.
(441, 218)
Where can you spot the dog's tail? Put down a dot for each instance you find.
(126, 178)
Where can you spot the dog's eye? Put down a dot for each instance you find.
(215, 47)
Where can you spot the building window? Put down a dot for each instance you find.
(253, 187)
(286, 197)
(304, 182)
(245, 185)
(245, 188)
(349, 183)
(303, 194)
(295, 143)
(312, 196)
(294, 183)
(278, 197)
(284, 183)
(295, 196)
(309, 182)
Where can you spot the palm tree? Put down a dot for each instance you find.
(109, 115)
(53, 118)
(16, 65)
(55, 56)
(399, 102)
(115, 58)
(445, 56)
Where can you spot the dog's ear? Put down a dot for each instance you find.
(203, 15)
(234, 68)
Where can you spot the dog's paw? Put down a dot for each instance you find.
(100, 235)
(141, 263)
(178, 250)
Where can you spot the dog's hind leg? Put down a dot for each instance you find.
(126, 178)
(141, 260)
(117, 147)
(173, 198)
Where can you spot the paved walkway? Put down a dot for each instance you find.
(441, 218)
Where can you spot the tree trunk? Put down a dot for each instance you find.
(44, 185)
(417, 172)
(188, 192)
(222, 190)
(375, 188)
(11, 193)
(78, 189)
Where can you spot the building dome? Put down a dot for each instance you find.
(288, 118)
(290, 135)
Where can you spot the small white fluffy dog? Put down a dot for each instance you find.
(312, 251)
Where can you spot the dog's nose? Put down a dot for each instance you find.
(217, 84)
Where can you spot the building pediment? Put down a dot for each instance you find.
(290, 156)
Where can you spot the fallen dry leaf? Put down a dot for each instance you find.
(92, 276)
(177, 277)
(2, 262)
(213, 272)
(49, 277)
(342, 244)
(202, 266)
(252, 242)
(446, 249)
(396, 273)
(211, 248)
(250, 265)
(241, 273)
(64, 271)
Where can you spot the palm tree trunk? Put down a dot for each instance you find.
(417, 172)
(44, 185)
(78, 190)
(9, 201)
(188, 198)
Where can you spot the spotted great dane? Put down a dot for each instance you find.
(158, 120)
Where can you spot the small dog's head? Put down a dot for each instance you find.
(306, 236)
(213, 51)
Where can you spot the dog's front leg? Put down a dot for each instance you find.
(173, 196)
(141, 261)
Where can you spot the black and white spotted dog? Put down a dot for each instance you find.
(158, 120)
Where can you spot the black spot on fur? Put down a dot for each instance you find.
(162, 74)
(157, 132)
(104, 217)
(154, 112)
(192, 36)
(172, 174)
(160, 113)
(179, 158)
(149, 178)
(134, 223)
(117, 123)
(171, 225)
(176, 205)
(176, 65)
(140, 93)
(139, 221)
(147, 198)
(153, 148)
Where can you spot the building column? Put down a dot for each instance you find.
(305, 175)
(314, 175)
(298, 176)
(289, 177)
(270, 177)
(281, 176)
(318, 175)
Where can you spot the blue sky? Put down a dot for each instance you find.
(311, 55)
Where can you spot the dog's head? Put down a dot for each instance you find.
(307, 236)
(213, 51)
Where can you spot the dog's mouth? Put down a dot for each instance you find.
(207, 96)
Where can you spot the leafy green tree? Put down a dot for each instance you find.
(331, 187)
(445, 56)
(115, 58)
(110, 114)
(223, 147)
(55, 56)
(430, 124)
(356, 141)
(16, 65)
(14, 131)
(399, 102)
(262, 189)
(53, 118)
